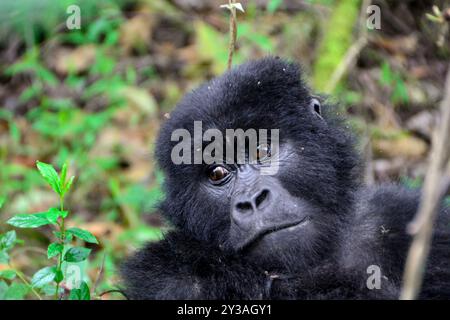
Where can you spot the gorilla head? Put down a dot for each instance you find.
(295, 212)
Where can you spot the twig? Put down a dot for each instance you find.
(422, 226)
(233, 31)
(233, 34)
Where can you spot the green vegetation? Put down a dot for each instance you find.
(336, 41)
(61, 249)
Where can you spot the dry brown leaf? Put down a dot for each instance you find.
(398, 45)
(74, 60)
(136, 32)
(405, 146)
(386, 116)
(130, 144)
(141, 99)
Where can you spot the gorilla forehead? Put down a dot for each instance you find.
(258, 94)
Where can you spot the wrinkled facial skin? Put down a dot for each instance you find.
(268, 218)
(266, 221)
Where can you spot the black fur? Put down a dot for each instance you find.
(355, 226)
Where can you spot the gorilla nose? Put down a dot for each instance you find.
(249, 204)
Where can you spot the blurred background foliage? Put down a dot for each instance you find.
(95, 98)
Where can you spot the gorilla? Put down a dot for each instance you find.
(312, 230)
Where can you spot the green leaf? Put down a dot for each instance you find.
(8, 274)
(16, 291)
(80, 294)
(2, 201)
(62, 176)
(83, 235)
(52, 215)
(68, 236)
(4, 257)
(68, 185)
(57, 234)
(76, 254)
(65, 185)
(386, 74)
(50, 175)
(43, 276)
(63, 214)
(54, 249)
(8, 240)
(400, 93)
(47, 76)
(59, 276)
(34, 220)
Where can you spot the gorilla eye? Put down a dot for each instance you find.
(263, 152)
(218, 174)
(316, 106)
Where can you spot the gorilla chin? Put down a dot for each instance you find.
(277, 247)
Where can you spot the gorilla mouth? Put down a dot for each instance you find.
(264, 232)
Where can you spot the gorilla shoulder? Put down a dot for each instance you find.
(379, 219)
(377, 236)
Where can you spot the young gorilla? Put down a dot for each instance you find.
(311, 231)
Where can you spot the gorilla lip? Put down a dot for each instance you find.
(258, 236)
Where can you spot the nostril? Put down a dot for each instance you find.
(244, 206)
(261, 197)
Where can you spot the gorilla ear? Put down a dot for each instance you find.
(315, 107)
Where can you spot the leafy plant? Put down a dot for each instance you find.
(30, 63)
(61, 249)
(10, 290)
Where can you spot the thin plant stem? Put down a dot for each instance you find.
(233, 33)
(25, 281)
(62, 230)
(432, 195)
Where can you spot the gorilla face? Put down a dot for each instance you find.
(268, 218)
(264, 216)
(268, 222)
